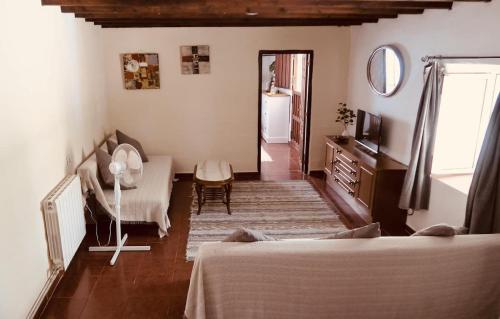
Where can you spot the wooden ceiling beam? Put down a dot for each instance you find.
(231, 23)
(268, 13)
(228, 2)
(385, 14)
(150, 13)
(366, 5)
(255, 21)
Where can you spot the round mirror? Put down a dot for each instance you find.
(385, 70)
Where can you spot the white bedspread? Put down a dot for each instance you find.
(148, 203)
(387, 277)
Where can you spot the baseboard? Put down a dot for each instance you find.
(184, 176)
(317, 174)
(46, 293)
(245, 176)
(241, 176)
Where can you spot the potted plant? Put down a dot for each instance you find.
(345, 116)
(272, 68)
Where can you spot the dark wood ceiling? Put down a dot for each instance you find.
(228, 13)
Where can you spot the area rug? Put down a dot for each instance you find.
(281, 209)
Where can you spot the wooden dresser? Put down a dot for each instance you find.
(370, 185)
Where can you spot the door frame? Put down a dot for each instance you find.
(306, 133)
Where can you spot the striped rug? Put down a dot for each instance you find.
(281, 209)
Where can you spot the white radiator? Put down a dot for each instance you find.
(64, 221)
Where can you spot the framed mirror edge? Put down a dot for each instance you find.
(399, 55)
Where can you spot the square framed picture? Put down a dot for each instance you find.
(141, 71)
(195, 59)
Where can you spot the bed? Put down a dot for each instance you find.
(147, 203)
(387, 277)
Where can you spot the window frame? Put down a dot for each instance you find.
(492, 89)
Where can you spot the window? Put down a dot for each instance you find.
(467, 100)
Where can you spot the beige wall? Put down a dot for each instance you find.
(53, 108)
(468, 29)
(195, 117)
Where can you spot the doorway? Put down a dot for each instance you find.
(284, 113)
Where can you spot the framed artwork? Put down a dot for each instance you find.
(195, 59)
(141, 71)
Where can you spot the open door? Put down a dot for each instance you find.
(300, 64)
(284, 153)
(306, 102)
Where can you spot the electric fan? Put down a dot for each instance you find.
(126, 166)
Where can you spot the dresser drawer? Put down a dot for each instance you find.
(347, 180)
(341, 166)
(346, 159)
(345, 183)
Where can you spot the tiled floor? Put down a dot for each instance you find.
(279, 162)
(142, 284)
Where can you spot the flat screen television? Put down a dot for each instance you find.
(368, 127)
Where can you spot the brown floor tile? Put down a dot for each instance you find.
(154, 286)
(65, 308)
(176, 310)
(127, 264)
(146, 307)
(76, 286)
(113, 287)
(109, 307)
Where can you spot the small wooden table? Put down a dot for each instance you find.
(216, 175)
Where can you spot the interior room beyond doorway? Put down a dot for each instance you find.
(284, 82)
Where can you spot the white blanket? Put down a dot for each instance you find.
(147, 203)
(387, 277)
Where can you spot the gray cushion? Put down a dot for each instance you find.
(106, 179)
(441, 230)
(111, 145)
(125, 139)
(247, 236)
(369, 231)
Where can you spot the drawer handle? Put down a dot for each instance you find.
(354, 162)
(336, 161)
(350, 192)
(353, 172)
(337, 170)
(353, 183)
(338, 151)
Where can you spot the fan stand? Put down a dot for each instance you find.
(119, 240)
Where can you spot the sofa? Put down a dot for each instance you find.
(147, 203)
(386, 277)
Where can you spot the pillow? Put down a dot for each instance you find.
(444, 230)
(247, 236)
(111, 146)
(103, 160)
(123, 138)
(369, 231)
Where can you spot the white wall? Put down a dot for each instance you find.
(53, 108)
(194, 117)
(468, 29)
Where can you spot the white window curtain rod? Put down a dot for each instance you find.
(428, 58)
